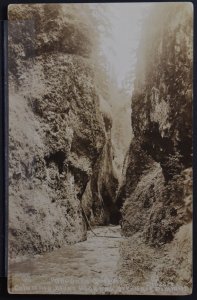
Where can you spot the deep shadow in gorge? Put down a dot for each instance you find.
(98, 200)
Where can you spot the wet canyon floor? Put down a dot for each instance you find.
(107, 263)
(88, 267)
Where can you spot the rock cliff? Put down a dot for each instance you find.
(163, 124)
(100, 195)
(156, 191)
(58, 135)
(157, 184)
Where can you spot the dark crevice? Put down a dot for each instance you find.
(58, 158)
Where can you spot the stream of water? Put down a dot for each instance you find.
(89, 267)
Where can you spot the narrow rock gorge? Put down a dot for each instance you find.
(96, 159)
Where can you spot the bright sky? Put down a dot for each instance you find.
(120, 48)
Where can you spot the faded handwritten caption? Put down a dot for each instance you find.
(95, 286)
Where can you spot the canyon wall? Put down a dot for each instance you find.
(58, 135)
(155, 195)
(100, 195)
(156, 192)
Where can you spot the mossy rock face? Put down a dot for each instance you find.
(156, 191)
(162, 98)
(57, 131)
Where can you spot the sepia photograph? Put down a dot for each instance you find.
(100, 148)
